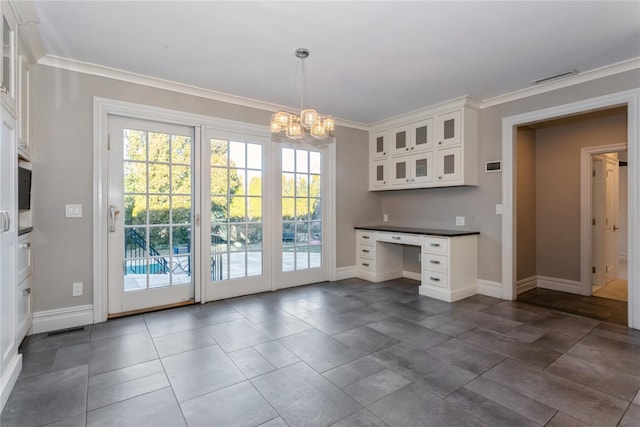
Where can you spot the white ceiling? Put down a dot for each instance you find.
(369, 60)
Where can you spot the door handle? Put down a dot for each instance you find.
(615, 227)
(113, 213)
(5, 225)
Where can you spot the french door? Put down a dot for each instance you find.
(265, 216)
(243, 215)
(151, 211)
(301, 252)
(236, 215)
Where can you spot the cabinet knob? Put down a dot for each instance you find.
(412, 148)
(407, 179)
(384, 153)
(440, 143)
(406, 149)
(439, 177)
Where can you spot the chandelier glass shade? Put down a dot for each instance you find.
(308, 126)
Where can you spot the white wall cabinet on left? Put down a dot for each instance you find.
(10, 360)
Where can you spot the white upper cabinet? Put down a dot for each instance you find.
(24, 84)
(379, 145)
(437, 150)
(9, 40)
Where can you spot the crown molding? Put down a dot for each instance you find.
(130, 77)
(597, 73)
(158, 83)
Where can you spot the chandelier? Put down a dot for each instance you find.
(308, 126)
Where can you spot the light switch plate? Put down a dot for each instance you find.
(499, 209)
(385, 218)
(73, 211)
(460, 221)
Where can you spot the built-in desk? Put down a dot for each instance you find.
(449, 258)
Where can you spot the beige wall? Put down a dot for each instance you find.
(441, 206)
(63, 158)
(558, 146)
(62, 136)
(526, 202)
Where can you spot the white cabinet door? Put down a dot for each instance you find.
(378, 174)
(422, 168)
(378, 145)
(8, 72)
(448, 128)
(400, 140)
(401, 170)
(422, 135)
(448, 164)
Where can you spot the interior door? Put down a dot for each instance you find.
(604, 218)
(151, 211)
(301, 233)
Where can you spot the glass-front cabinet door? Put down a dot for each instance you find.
(449, 129)
(8, 88)
(448, 164)
(378, 173)
(378, 145)
(400, 139)
(422, 135)
(422, 168)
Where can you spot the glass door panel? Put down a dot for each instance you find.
(236, 222)
(151, 198)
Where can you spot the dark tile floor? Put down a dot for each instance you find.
(607, 310)
(350, 353)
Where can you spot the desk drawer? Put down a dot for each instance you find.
(367, 251)
(366, 237)
(435, 262)
(366, 264)
(405, 239)
(435, 278)
(436, 244)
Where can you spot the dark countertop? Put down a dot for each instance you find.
(425, 231)
(24, 230)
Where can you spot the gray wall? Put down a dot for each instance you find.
(558, 146)
(441, 206)
(526, 202)
(62, 136)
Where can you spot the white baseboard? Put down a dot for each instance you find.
(9, 378)
(412, 275)
(562, 285)
(62, 318)
(490, 288)
(526, 284)
(349, 272)
(445, 295)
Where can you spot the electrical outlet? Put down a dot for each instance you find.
(385, 218)
(499, 209)
(77, 289)
(460, 221)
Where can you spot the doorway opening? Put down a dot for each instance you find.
(567, 170)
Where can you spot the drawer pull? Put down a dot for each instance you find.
(433, 261)
(435, 279)
(26, 291)
(366, 251)
(365, 264)
(396, 237)
(365, 237)
(435, 245)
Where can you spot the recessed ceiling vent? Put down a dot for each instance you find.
(555, 77)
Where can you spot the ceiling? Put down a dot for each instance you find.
(369, 60)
